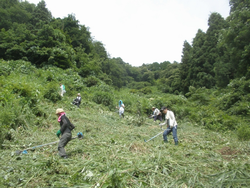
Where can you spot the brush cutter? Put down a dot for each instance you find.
(153, 137)
(79, 136)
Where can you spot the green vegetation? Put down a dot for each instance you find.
(208, 92)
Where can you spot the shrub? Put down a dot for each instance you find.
(4, 68)
(105, 98)
(145, 90)
(243, 132)
(91, 81)
(52, 92)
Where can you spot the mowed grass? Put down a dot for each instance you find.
(113, 153)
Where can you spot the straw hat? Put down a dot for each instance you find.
(59, 110)
(79, 94)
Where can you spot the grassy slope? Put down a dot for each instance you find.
(113, 154)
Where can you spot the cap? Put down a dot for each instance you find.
(163, 108)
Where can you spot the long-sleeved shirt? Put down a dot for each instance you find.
(156, 112)
(169, 117)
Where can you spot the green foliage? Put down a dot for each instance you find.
(145, 90)
(235, 98)
(4, 68)
(91, 81)
(199, 96)
(138, 85)
(243, 132)
(52, 92)
(102, 97)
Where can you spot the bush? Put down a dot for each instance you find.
(52, 92)
(243, 132)
(4, 68)
(105, 98)
(138, 85)
(145, 90)
(91, 81)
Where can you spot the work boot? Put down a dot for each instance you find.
(176, 143)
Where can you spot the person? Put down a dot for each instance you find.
(120, 103)
(65, 131)
(171, 125)
(77, 100)
(156, 114)
(62, 87)
(121, 109)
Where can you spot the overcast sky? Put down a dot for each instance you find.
(141, 31)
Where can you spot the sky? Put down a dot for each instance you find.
(141, 31)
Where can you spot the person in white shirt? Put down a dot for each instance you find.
(121, 110)
(171, 125)
(63, 90)
(156, 114)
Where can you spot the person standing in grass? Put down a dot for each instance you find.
(65, 130)
(63, 90)
(121, 109)
(156, 114)
(171, 125)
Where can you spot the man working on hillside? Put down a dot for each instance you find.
(65, 130)
(156, 114)
(77, 100)
(171, 125)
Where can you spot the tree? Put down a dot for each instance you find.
(236, 38)
(185, 66)
(41, 14)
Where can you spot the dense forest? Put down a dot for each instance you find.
(216, 56)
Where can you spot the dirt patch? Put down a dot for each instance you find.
(137, 148)
(228, 153)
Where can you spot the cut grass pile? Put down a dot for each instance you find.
(113, 154)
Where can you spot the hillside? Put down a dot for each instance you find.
(113, 154)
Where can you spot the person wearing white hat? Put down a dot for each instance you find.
(77, 100)
(156, 114)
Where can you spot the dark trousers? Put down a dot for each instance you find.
(65, 138)
(158, 117)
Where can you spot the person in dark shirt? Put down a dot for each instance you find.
(77, 100)
(64, 131)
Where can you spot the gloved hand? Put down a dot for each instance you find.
(58, 133)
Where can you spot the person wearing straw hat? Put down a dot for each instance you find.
(77, 100)
(65, 131)
(171, 125)
(156, 114)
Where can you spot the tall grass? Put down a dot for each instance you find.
(113, 152)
